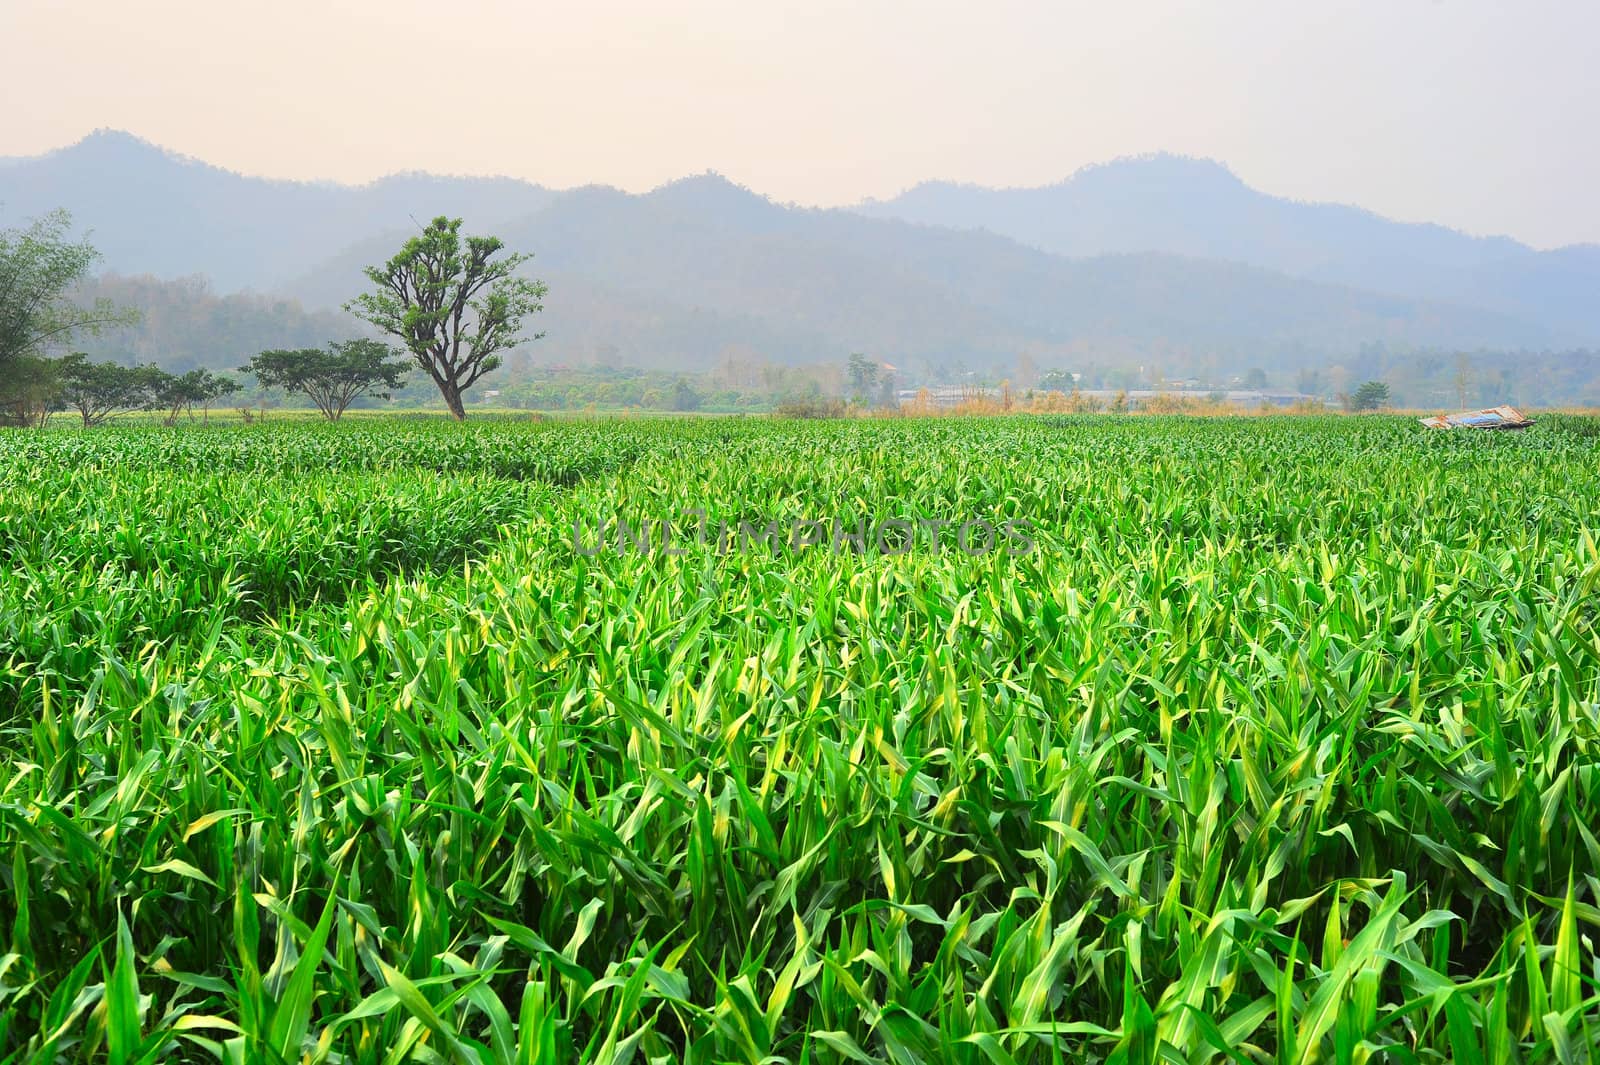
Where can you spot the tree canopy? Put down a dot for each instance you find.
(1372, 395)
(30, 390)
(197, 387)
(335, 377)
(39, 265)
(863, 375)
(452, 303)
(97, 390)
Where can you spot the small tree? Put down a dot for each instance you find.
(333, 378)
(452, 304)
(684, 396)
(180, 394)
(888, 392)
(100, 389)
(30, 389)
(1372, 395)
(39, 265)
(1056, 381)
(863, 374)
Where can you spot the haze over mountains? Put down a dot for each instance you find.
(1197, 207)
(154, 211)
(1158, 259)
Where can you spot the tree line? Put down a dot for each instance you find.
(451, 306)
(332, 379)
(455, 304)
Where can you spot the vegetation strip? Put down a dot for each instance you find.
(1281, 745)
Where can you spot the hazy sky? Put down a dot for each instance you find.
(1481, 114)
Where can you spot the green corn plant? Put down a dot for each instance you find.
(333, 744)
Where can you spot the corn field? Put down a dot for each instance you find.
(339, 744)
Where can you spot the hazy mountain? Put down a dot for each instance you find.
(1196, 207)
(821, 283)
(671, 278)
(152, 211)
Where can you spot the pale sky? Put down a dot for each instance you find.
(1479, 114)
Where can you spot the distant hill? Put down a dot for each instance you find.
(154, 212)
(672, 278)
(184, 324)
(1196, 207)
(815, 284)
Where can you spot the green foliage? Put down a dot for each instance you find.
(39, 265)
(1584, 427)
(182, 393)
(31, 388)
(816, 407)
(1372, 395)
(1057, 381)
(333, 378)
(750, 387)
(452, 304)
(862, 374)
(98, 390)
(1281, 745)
(684, 396)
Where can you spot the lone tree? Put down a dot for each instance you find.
(863, 375)
(100, 389)
(452, 304)
(39, 265)
(333, 378)
(1372, 395)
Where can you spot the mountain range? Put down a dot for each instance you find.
(1198, 207)
(1160, 259)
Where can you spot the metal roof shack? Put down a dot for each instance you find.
(1488, 418)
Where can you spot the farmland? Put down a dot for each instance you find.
(1281, 742)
